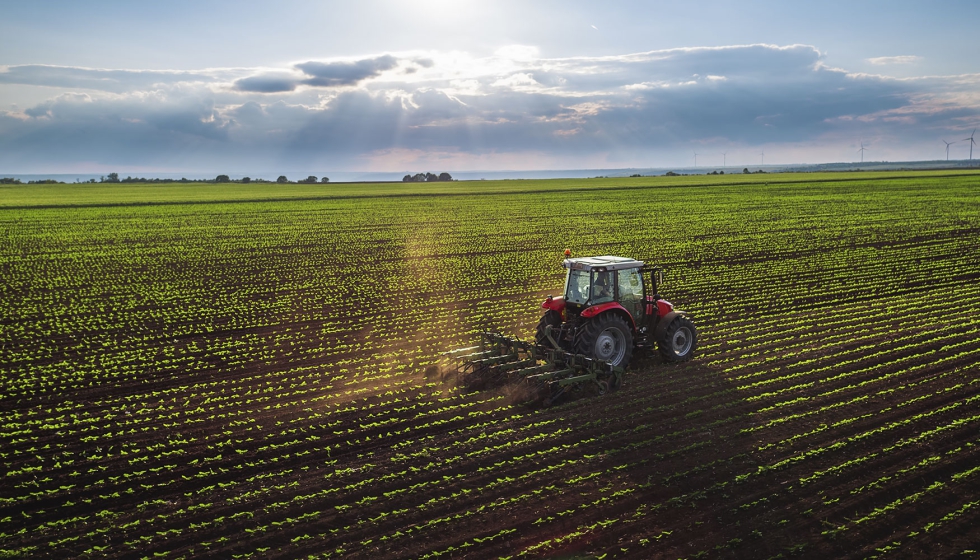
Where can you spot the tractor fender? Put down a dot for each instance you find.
(555, 304)
(665, 322)
(613, 306)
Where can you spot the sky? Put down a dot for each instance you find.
(438, 85)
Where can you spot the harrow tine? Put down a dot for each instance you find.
(456, 351)
(472, 357)
(555, 395)
(549, 371)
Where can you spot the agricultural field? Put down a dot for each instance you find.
(232, 372)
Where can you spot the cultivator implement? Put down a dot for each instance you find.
(547, 373)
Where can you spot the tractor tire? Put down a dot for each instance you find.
(607, 338)
(552, 318)
(679, 341)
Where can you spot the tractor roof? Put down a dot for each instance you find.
(602, 263)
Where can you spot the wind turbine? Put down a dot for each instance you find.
(763, 154)
(724, 156)
(972, 142)
(862, 152)
(948, 144)
(695, 159)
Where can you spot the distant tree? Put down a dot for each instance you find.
(636, 175)
(282, 179)
(111, 178)
(445, 176)
(324, 179)
(431, 177)
(746, 171)
(222, 179)
(311, 179)
(419, 177)
(671, 174)
(11, 181)
(407, 179)
(246, 179)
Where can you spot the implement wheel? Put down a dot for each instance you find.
(679, 340)
(607, 338)
(552, 318)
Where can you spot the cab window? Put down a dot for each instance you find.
(603, 287)
(577, 287)
(631, 291)
(630, 285)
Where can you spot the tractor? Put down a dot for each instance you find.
(611, 306)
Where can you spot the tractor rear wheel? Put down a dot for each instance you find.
(607, 338)
(679, 340)
(550, 318)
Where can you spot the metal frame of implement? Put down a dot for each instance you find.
(501, 359)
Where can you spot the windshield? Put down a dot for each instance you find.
(577, 287)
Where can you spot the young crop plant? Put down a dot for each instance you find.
(225, 373)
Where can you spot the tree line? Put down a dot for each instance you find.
(12, 181)
(114, 178)
(423, 177)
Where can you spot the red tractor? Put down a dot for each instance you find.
(586, 337)
(611, 305)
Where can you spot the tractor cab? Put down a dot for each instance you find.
(596, 281)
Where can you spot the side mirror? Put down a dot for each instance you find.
(657, 278)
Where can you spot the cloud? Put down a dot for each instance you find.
(507, 107)
(98, 79)
(331, 74)
(903, 59)
(80, 127)
(267, 83)
(321, 74)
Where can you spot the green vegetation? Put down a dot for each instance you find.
(102, 194)
(183, 365)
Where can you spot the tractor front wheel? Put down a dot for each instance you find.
(679, 340)
(607, 338)
(550, 318)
